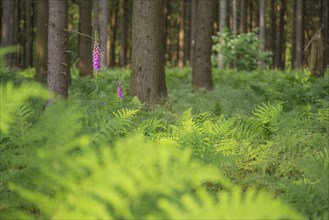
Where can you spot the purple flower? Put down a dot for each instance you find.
(119, 90)
(96, 56)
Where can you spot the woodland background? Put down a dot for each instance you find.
(223, 109)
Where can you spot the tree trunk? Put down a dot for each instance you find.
(28, 29)
(262, 10)
(148, 76)
(113, 32)
(167, 31)
(299, 34)
(325, 31)
(180, 35)
(273, 33)
(41, 42)
(85, 43)
(222, 26)
(280, 55)
(58, 48)
(243, 25)
(193, 27)
(123, 37)
(187, 32)
(8, 30)
(96, 14)
(103, 34)
(201, 67)
(234, 18)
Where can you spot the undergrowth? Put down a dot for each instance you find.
(255, 147)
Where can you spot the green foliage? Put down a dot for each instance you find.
(256, 147)
(240, 50)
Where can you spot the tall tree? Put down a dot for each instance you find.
(85, 43)
(325, 31)
(187, 30)
(180, 35)
(58, 48)
(234, 17)
(273, 32)
(201, 66)
(8, 25)
(222, 26)
(113, 31)
(123, 37)
(28, 29)
(262, 28)
(280, 55)
(148, 76)
(299, 34)
(41, 42)
(103, 34)
(243, 20)
(193, 27)
(96, 15)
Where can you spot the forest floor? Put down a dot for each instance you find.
(256, 146)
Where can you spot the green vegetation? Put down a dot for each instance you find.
(254, 147)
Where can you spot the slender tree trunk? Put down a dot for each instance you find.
(187, 31)
(293, 46)
(96, 14)
(193, 27)
(234, 18)
(280, 56)
(123, 37)
(180, 35)
(222, 26)
(103, 34)
(325, 31)
(299, 34)
(41, 42)
(273, 32)
(58, 48)
(8, 30)
(113, 32)
(148, 76)
(201, 67)
(28, 29)
(243, 24)
(262, 10)
(167, 30)
(85, 43)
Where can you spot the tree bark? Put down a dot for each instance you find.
(123, 38)
(41, 42)
(273, 32)
(222, 26)
(234, 18)
(85, 43)
(103, 34)
(28, 29)
(96, 15)
(148, 76)
(58, 48)
(187, 31)
(193, 27)
(113, 32)
(243, 25)
(8, 30)
(280, 55)
(201, 67)
(299, 34)
(180, 35)
(262, 10)
(325, 31)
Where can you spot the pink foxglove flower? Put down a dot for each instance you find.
(96, 55)
(119, 90)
